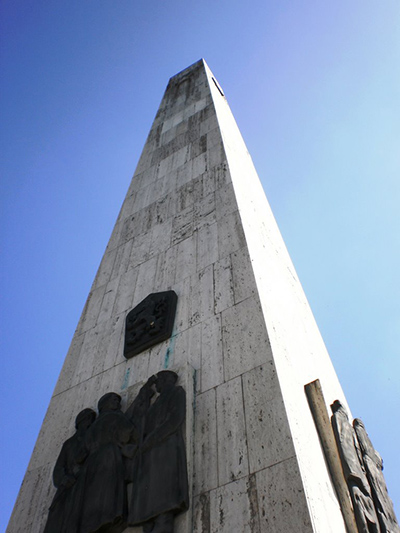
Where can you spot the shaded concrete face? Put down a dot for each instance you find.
(188, 224)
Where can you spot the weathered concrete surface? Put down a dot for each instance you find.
(196, 220)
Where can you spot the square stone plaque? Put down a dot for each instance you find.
(150, 322)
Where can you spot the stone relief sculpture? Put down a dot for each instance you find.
(362, 467)
(103, 476)
(150, 322)
(160, 487)
(374, 466)
(354, 473)
(65, 508)
(143, 446)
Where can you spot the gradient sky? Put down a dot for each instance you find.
(315, 89)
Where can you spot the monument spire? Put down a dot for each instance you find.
(195, 233)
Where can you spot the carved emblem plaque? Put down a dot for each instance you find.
(150, 322)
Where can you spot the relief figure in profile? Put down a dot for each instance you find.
(160, 487)
(374, 468)
(64, 512)
(354, 473)
(104, 500)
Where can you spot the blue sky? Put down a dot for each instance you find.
(315, 89)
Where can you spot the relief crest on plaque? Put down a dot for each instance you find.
(150, 322)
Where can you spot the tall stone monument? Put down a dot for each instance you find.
(198, 325)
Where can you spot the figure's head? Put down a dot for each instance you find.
(337, 407)
(85, 419)
(358, 423)
(365, 443)
(165, 380)
(109, 402)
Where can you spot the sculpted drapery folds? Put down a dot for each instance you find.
(160, 488)
(143, 446)
(104, 502)
(64, 512)
(362, 468)
(360, 492)
(374, 469)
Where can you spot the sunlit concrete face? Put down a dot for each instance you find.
(196, 220)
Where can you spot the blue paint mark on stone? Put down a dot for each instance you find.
(166, 361)
(194, 383)
(126, 379)
(170, 350)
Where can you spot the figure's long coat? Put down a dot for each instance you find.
(354, 473)
(103, 476)
(374, 465)
(160, 476)
(65, 508)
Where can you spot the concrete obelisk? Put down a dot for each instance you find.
(244, 343)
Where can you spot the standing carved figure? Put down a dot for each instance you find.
(374, 465)
(366, 519)
(105, 501)
(65, 508)
(136, 413)
(160, 490)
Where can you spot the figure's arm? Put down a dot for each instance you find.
(61, 476)
(141, 403)
(175, 418)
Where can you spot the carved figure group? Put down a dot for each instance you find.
(374, 470)
(143, 446)
(362, 469)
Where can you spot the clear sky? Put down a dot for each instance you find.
(315, 89)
